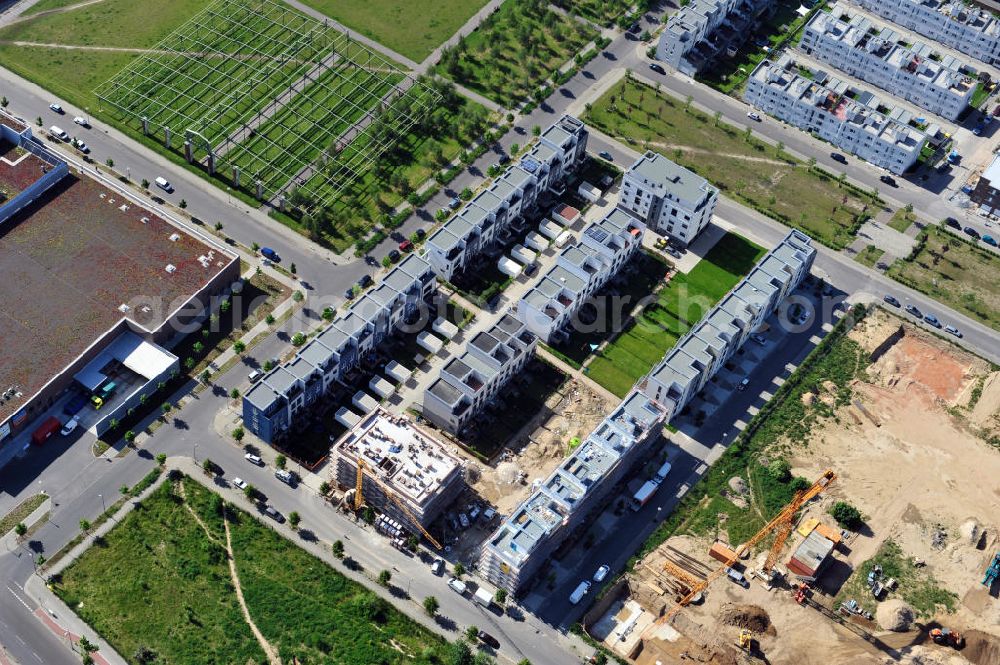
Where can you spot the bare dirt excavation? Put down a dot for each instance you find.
(912, 451)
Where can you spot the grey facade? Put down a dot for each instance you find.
(270, 407)
(485, 220)
(472, 380)
(705, 29)
(668, 198)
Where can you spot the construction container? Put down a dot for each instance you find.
(50, 426)
(722, 554)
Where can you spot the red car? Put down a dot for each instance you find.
(405, 246)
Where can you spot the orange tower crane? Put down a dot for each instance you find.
(359, 500)
(782, 522)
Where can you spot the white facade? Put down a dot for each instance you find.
(836, 112)
(668, 198)
(580, 270)
(971, 30)
(700, 31)
(881, 56)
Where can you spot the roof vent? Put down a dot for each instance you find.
(174, 237)
(144, 220)
(171, 268)
(123, 308)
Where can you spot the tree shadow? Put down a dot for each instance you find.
(397, 592)
(308, 535)
(445, 623)
(181, 424)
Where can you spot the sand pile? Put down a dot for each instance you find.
(894, 615)
(750, 617)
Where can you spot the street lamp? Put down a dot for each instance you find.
(195, 451)
(103, 507)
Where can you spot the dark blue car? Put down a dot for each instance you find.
(270, 254)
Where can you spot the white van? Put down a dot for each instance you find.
(163, 184)
(578, 593)
(58, 133)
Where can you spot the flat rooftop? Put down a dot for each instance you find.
(70, 261)
(19, 169)
(406, 459)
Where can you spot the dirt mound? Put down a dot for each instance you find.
(738, 485)
(750, 617)
(981, 648)
(894, 615)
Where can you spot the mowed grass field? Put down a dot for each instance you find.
(159, 581)
(680, 305)
(743, 167)
(954, 272)
(412, 29)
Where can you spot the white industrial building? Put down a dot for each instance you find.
(486, 219)
(877, 54)
(856, 121)
(580, 270)
(963, 27)
(409, 467)
(668, 198)
(472, 380)
(702, 30)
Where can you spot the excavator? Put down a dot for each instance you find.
(947, 637)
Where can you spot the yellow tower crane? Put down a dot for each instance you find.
(359, 500)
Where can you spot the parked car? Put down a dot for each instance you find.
(953, 223)
(910, 309)
(163, 184)
(888, 180)
(971, 232)
(931, 319)
(455, 203)
(503, 158)
(657, 68)
(488, 639)
(270, 254)
(753, 115)
(59, 133)
(437, 567)
(457, 585)
(531, 270)
(365, 281)
(83, 147)
(605, 155)
(239, 483)
(889, 299)
(989, 240)
(254, 459)
(70, 425)
(601, 573)
(370, 260)
(394, 255)
(837, 157)
(349, 293)
(286, 477)
(255, 376)
(672, 252)
(274, 514)
(760, 339)
(421, 234)
(953, 331)
(57, 108)
(742, 385)
(83, 122)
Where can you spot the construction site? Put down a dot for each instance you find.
(913, 449)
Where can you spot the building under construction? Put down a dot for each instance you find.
(403, 466)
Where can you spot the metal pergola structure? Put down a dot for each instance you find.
(269, 97)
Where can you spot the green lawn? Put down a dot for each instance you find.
(412, 29)
(901, 220)
(679, 306)
(954, 272)
(869, 256)
(47, 5)
(158, 581)
(515, 50)
(744, 168)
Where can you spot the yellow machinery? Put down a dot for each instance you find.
(782, 522)
(359, 500)
(746, 640)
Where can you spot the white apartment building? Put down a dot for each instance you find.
(876, 53)
(851, 119)
(668, 198)
(471, 381)
(487, 218)
(580, 270)
(971, 30)
(703, 29)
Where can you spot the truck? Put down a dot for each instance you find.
(483, 597)
(49, 426)
(75, 405)
(645, 493)
(579, 592)
(662, 472)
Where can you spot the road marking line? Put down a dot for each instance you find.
(19, 599)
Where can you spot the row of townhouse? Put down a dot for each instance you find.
(486, 220)
(698, 32)
(668, 198)
(580, 270)
(876, 53)
(704, 349)
(272, 405)
(471, 381)
(853, 120)
(968, 29)
(524, 542)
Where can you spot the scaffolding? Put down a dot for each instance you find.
(270, 100)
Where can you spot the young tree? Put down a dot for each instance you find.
(250, 492)
(234, 393)
(846, 515)
(208, 465)
(458, 569)
(298, 339)
(280, 461)
(123, 490)
(183, 204)
(324, 488)
(472, 634)
(293, 519)
(110, 162)
(431, 605)
(144, 184)
(500, 596)
(85, 525)
(161, 458)
(328, 313)
(238, 433)
(337, 549)
(239, 346)
(130, 437)
(166, 407)
(384, 577)
(20, 529)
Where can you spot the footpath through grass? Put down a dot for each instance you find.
(515, 50)
(157, 581)
(955, 272)
(680, 305)
(782, 420)
(412, 29)
(760, 175)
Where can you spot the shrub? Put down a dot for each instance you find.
(846, 515)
